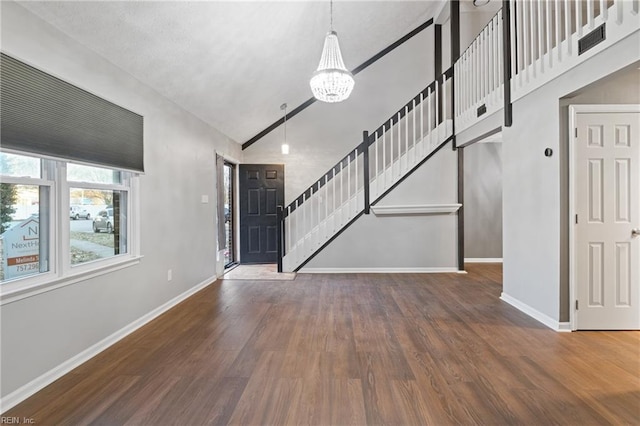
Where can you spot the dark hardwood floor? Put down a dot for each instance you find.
(414, 349)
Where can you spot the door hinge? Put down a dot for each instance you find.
(576, 304)
(576, 219)
(576, 133)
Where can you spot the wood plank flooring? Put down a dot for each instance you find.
(401, 349)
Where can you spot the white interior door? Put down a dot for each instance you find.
(607, 204)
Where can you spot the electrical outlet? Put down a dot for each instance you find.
(169, 275)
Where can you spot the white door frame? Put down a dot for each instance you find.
(574, 110)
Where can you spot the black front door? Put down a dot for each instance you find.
(261, 191)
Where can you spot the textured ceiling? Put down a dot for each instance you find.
(232, 64)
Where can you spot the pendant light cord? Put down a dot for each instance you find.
(331, 14)
(284, 107)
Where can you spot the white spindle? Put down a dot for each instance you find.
(297, 226)
(619, 11)
(532, 37)
(333, 179)
(399, 141)
(415, 139)
(326, 204)
(500, 56)
(514, 37)
(444, 104)
(429, 98)
(288, 229)
(541, 30)
(341, 193)
(604, 11)
(548, 35)
(355, 192)
(475, 70)
(319, 210)
(349, 186)
(493, 63)
(526, 30)
(384, 156)
(406, 135)
(304, 222)
(567, 25)
(375, 171)
(590, 14)
(391, 162)
(437, 101)
(487, 60)
(558, 30)
(578, 4)
(422, 123)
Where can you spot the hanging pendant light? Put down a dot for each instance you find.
(285, 147)
(332, 81)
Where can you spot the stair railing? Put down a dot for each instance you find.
(365, 174)
(479, 76)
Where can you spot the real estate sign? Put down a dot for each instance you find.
(21, 249)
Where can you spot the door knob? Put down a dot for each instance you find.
(635, 232)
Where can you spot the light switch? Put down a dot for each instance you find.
(204, 199)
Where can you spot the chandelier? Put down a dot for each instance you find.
(332, 81)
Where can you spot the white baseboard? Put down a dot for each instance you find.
(537, 315)
(482, 260)
(378, 270)
(55, 373)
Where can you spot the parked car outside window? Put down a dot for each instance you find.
(77, 212)
(103, 221)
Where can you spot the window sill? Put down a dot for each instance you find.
(23, 290)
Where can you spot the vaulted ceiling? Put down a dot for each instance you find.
(231, 63)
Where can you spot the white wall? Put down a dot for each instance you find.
(403, 242)
(533, 188)
(177, 231)
(483, 200)
(324, 133)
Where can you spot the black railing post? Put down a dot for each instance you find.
(454, 17)
(280, 233)
(437, 63)
(365, 171)
(506, 62)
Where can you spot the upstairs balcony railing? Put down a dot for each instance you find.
(544, 39)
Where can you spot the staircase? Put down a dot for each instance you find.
(383, 158)
(524, 46)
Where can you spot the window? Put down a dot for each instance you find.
(86, 208)
(24, 217)
(100, 197)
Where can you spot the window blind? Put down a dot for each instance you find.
(41, 114)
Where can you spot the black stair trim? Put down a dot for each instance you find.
(361, 213)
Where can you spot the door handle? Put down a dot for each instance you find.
(635, 232)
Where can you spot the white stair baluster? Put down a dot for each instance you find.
(421, 123)
(406, 137)
(348, 187)
(399, 127)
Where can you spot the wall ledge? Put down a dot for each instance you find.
(422, 209)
